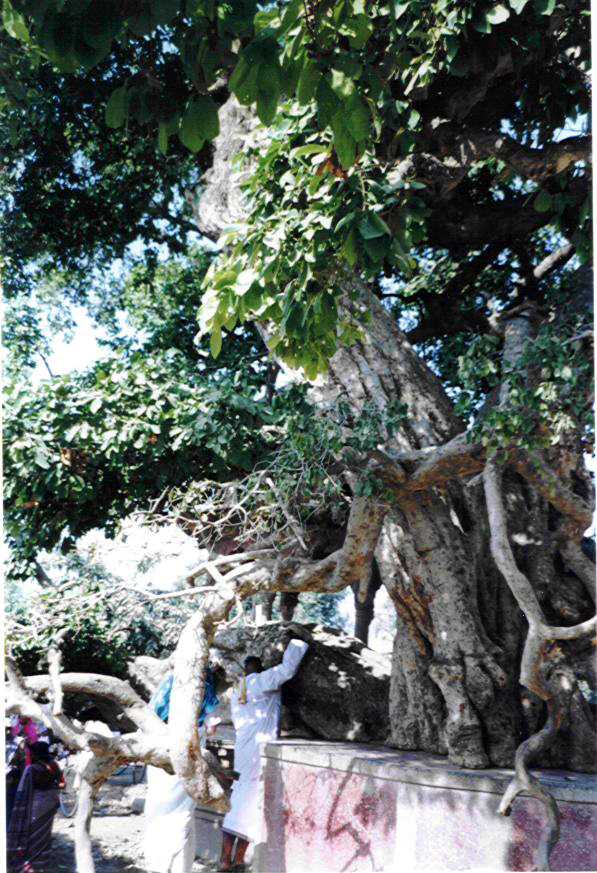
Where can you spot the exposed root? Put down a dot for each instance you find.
(563, 684)
(557, 690)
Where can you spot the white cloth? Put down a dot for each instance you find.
(257, 721)
(169, 824)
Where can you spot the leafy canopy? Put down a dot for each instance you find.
(346, 55)
(350, 90)
(86, 449)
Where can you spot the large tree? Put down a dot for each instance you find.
(406, 220)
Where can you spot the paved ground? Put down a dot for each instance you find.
(118, 845)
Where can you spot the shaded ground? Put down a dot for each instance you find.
(118, 845)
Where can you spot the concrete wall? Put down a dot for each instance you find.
(348, 807)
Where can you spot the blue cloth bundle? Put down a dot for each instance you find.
(160, 702)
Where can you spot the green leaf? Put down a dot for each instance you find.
(452, 48)
(14, 23)
(307, 83)
(244, 81)
(372, 226)
(341, 84)
(215, 341)
(163, 137)
(414, 118)
(99, 28)
(64, 39)
(344, 143)
(327, 103)
(239, 74)
(293, 10)
(41, 459)
(543, 202)
(498, 14)
(360, 29)
(267, 104)
(117, 107)
(483, 25)
(398, 9)
(268, 92)
(205, 117)
(518, 5)
(545, 7)
(347, 219)
(200, 123)
(312, 149)
(358, 118)
(377, 248)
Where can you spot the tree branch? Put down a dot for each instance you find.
(553, 261)
(355, 561)
(434, 323)
(577, 512)
(54, 664)
(97, 685)
(410, 472)
(190, 662)
(576, 560)
(462, 224)
(19, 700)
(530, 163)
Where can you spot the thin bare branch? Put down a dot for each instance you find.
(54, 665)
(556, 259)
(294, 525)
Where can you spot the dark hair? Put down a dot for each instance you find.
(253, 663)
(40, 751)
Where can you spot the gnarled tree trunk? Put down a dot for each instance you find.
(459, 637)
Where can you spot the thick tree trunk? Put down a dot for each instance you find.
(448, 674)
(459, 631)
(364, 609)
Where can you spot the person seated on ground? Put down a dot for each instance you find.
(169, 810)
(29, 834)
(255, 706)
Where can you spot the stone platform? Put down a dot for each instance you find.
(351, 807)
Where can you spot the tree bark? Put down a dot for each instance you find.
(364, 609)
(92, 774)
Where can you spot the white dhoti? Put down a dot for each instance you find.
(257, 721)
(169, 824)
(244, 815)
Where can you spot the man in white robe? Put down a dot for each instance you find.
(255, 706)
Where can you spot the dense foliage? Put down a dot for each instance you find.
(365, 103)
(347, 57)
(85, 449)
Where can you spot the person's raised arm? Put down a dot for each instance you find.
(272, 679)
